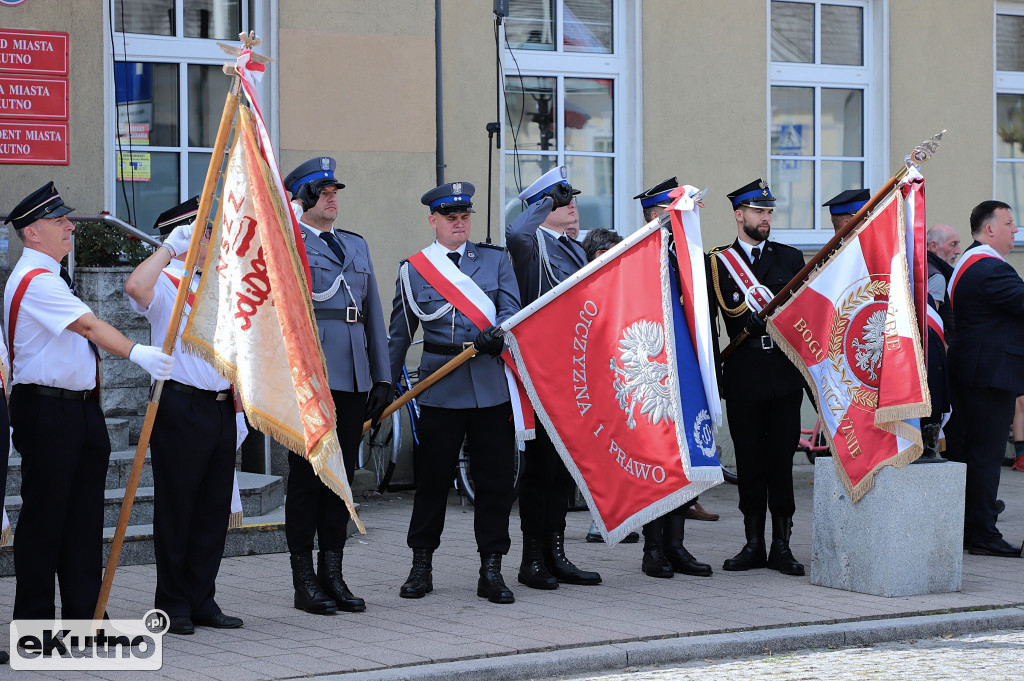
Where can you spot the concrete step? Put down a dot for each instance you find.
(118, 471)
(258, 535)
(260, 495)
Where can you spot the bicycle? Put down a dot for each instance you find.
(814, 446)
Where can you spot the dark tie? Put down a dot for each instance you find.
(565, 240)
(66, 276)
(755, 256)
(332, 243)
(455, 256)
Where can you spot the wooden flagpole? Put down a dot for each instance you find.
(213, 173)
(921, 153)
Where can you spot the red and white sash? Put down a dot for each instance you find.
(755, 293)
(935, 323)
(463, 293)
(972, 256)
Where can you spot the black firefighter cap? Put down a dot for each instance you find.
(450, 198)
(182, 214)
(756, 195)
(658, 194)
(44, 202)
(848, 202)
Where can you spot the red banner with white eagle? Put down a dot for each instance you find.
(253, 318)
(600, 356)
(853, 332)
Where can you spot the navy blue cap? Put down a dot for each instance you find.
(535, 192)
(848, 202)
(658, 194)
(44, 202)
(756, 195)
(450, 198)
(319, 170)
(182, 214)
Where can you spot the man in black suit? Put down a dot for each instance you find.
(762, 388)
(543, 256)
(986, 361)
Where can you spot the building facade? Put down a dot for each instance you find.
(815, 96)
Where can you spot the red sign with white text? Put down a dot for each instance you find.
(36, 98)
(34, 52)
(33, 143)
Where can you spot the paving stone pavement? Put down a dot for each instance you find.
(994, 656)
(574, 629)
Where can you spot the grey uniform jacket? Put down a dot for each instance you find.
(521, 241)
(480, 382)
(355, 354)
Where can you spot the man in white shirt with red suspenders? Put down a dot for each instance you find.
(192, 447)
(55, 411)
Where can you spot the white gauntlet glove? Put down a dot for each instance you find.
(177, 241)
(153, 360)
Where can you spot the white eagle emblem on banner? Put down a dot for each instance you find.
(639, 379)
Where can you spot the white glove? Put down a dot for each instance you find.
(153, 360)
(179, 239)
(297, 208)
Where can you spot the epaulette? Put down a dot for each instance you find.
(496, 247)
(345, 231)
(719, 249)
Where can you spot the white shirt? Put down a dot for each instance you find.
(187, 369)
(45, 352)
(748, 249)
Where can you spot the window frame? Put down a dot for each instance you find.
(871, 78)
(621, 66)
(182, 52)
(1004, 83)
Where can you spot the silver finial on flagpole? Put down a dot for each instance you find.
(924, 151)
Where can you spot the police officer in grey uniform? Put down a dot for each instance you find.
(353, 336)
(471, 403)
(543, 256)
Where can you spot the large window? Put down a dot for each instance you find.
(819, 99)
(1009, 114)
(169, 91)
(565, 76)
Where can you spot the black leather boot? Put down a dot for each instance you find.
(654, 563)
(532, 572)
(421, 580)
(560, 566)
(308, 595)
(491, 585)
(753, 554)
(682, 560)
(780, 557)
(329, 573)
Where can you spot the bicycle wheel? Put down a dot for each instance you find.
(464, 481)
(730, 475)
(380, 447)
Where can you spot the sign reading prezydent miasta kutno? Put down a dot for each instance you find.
(34, 97)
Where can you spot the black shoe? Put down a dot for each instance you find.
(753, 554)
(780, 557)
(631, 538)
(682, 560)
(561, 567)
(182, 626)
(332, 583)
(655, 564)
(532, 571)
(308, 595)
(218, 621)
(421, 579)
(1000, 506)
(491, 585)
(994, 547)
(4, 656)
(595, 538)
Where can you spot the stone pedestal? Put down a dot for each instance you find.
(904, 537)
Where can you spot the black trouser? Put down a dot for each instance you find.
(311, 507)
(5, 441)
(544, 487)
(765, 434)
(987, 415)
(193, 453)
(64, 450)
(491, 446)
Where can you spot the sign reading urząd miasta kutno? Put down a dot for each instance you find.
(33, 97)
